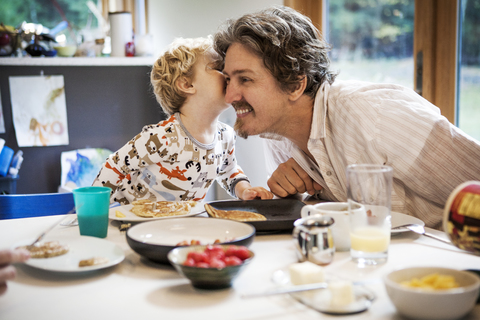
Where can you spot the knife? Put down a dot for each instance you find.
(290, 289)
(304, 287)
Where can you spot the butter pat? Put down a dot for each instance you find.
(341, 293)
(118, 214)
(306, 273)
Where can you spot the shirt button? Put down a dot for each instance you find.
(329, 173)
(311, 168)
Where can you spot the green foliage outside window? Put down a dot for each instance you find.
(372, 29)
(47, 13)
(470, 53)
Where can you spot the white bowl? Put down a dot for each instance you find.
(154, 239)
(66, 51)
(417, 303)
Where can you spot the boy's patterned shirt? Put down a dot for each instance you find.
(164, 162)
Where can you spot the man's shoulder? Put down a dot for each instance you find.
(352, 93)
(346, 87)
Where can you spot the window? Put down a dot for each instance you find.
(468, 110)
(372, 40)
(87, 18)
(49, 13)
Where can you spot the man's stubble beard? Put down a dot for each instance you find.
(244, 134)
(238, 129)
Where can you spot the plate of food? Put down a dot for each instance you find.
(73, 253)
(265, 215)
(337, 296)
(143, 210)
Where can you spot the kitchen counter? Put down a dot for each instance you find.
(76, 61)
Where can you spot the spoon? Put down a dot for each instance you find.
(421, 230)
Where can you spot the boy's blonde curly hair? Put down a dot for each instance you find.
(175, 62)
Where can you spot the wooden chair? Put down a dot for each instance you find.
(13, 206)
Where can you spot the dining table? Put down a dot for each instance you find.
(137, 288)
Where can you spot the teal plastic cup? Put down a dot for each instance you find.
(92, 204)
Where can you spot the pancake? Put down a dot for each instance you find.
(92, 262)
(237, 215)
(152, 209)
(46, 250)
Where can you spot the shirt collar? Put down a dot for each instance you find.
(318, 129)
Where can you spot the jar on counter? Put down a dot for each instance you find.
(99, 46)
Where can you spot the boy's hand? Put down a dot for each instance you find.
(245, 191)
(256, 192)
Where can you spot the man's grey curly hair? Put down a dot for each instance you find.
(287, 41)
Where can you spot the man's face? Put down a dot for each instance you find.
(253, 92)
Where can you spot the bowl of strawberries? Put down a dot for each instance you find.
(210, 266)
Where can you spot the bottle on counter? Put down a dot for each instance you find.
(130, 47)
(6, 156)
(16, 164)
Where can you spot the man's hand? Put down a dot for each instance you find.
(290, 178)
(7, 271)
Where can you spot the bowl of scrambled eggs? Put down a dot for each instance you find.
(432, 292)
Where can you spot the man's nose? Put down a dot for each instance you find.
(232, 94)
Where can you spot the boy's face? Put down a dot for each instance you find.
(210, 83)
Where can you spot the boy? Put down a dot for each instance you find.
(178, 159)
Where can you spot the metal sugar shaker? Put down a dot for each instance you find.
(313, 239)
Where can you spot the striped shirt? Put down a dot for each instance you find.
(357, 122)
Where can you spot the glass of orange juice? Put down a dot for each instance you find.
(369, 186)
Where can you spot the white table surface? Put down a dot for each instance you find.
(140, 289)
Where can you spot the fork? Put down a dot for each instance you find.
(421, 230)
(44, 233)
(70, 223)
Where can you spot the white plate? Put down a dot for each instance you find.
(130, 216)
(320, 300)
(400, 219)
(80, 248)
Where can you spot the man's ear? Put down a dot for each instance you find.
(185, 85)
(298, 89)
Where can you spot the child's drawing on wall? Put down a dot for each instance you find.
(39, 110)
(80, 167)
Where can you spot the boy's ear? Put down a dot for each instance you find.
(185, 85)
(298, 89)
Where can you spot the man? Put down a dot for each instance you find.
(278, 80)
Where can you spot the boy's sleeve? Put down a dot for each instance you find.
(141, 151)
(230, 172)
